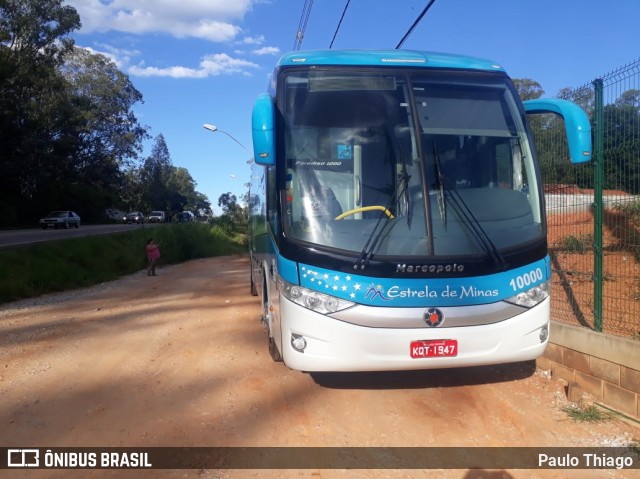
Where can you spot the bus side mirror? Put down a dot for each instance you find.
(262, 123)
(576, 122)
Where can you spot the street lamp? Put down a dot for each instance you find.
(214, 128)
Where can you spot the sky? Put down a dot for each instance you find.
(205, 61)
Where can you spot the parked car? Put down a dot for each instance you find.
(114, 214)
(60, 219)
(134, 217)
(156, 217)
(186, 217)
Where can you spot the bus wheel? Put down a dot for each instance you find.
(273, 351)
(266, 322)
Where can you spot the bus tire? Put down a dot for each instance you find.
(266, 319)
(273, 351)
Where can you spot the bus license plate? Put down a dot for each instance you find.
(434, 348)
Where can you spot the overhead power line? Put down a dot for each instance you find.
(304, 18)
(339, 23)
(415, 24)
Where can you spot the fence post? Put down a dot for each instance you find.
(598, 157)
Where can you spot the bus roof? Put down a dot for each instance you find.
(401, 58)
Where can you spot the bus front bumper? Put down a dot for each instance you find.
(334, 345)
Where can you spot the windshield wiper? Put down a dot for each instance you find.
(377, 231)
(472, 223)
(440, 185)
(464, 213)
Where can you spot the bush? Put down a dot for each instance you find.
(80, 262)
(224, 222)
(577, 244)
(631, 209)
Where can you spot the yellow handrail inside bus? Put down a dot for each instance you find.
(365, 208)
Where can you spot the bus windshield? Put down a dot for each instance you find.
(407, 162)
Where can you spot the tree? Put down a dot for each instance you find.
(230, 207)
(155, 173)
(33, 28)
(622, 144)
(105, 97)
(69, 137)
(182, 189)
(621, 119)
(202, 205)
(528, 89)
(167, 187)
(67, 128)
(228, 202)
(548, 133)
(106, 137)
(132, 189)
(629, 98)
(583, 96)
(33, 43)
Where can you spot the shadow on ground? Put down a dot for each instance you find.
(424, 379)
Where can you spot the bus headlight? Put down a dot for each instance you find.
(307, 298)
(533, 296)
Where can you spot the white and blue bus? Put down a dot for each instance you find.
(397, 215)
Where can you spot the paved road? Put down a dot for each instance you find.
(14, 238)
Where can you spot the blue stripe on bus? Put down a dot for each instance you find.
(421, 292)
(288, 270)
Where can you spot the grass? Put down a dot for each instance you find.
(79, 262)
(587, 413)
(631, 209)
(577, 244)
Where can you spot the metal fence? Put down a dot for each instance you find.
(593, 210)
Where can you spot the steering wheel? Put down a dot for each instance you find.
(364, 208)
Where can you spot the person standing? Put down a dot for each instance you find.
(153, 255)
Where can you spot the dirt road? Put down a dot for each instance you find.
(181, 360)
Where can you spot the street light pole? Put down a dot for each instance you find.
(214, 128)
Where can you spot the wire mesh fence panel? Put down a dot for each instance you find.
(573, 194)
(569, 206)
(621, 215)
